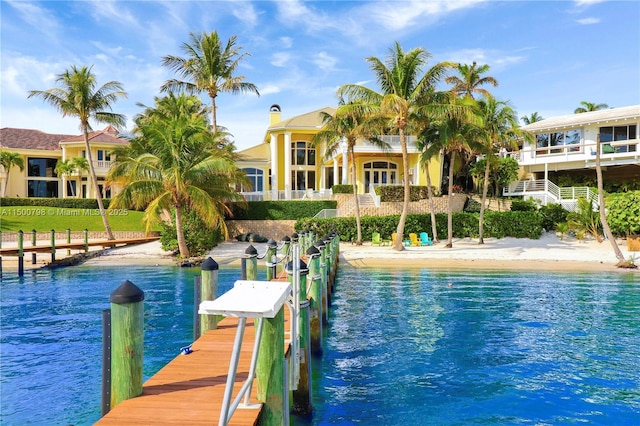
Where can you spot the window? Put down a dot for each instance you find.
(380, 173)
(545, 141)
(41, 167)
(256, 176)
(617, 134)
(303, 179)
(303, 154)
(42, 188)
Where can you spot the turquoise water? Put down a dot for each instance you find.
(459, 348)
(408, 347)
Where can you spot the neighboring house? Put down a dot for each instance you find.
(41, 151)
(567, 145)
(288, 166)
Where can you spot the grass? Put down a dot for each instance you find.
(13, 219)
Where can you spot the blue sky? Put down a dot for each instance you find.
(547, 56)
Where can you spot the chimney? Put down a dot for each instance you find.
(274, 114)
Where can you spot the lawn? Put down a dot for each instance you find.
(13, 219)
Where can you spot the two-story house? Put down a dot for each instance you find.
(41, 152)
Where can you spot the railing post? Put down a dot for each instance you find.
(315, 296)
(127, 342)
(68, 241)
(20, 253)
(53, 245)
(286, 246)
(86, 240)
(208, 291)
(34, 241)
(271, 259)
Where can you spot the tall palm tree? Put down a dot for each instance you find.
(70, 166)
(8, 160)
(79, 97)
(458, 135)
(428, 136)
(79, 166)
(529, 119)
(175, 162)
(208, 67)
(589, 106)
(470, 80)
(346, 125)
(499, 129)
(399, 101)
(63, 168)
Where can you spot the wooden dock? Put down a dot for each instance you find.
(189, 390)
(13, 251)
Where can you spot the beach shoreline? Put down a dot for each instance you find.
(549, 253)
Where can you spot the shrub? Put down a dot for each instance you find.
(519, 205)
(342, 189)
(623, 213)
(394, 193)
(280, 210)
(552, 215)
(200, 239)
(68, 203)
(472, 206)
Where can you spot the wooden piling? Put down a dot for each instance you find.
(20, 253)
(270, 371)
(271, 259)
(86, 240)
(53, 245)
(34, 242)
(251, 259)
(302, 392)
(286, 246)
(315, 300)
(68, 241)
(127, 342)
(208, 291)
(320, 245)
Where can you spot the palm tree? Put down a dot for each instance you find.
(346, 125)
(428, 136)
(588, 107)
(499, 128)
(458, 135)
(175, 162)
(209, 67)
(534, 117)
(470, 80)
(78, 97)
(70, 166)
(399, 102)
(79, 165)
(63, 168)
(8, 160)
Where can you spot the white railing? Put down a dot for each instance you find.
(374, 196)
(308, 194)
(610, 152)
(548, 192)
(326, 213)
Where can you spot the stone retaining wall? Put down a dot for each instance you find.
(415, 207)
(276, 229)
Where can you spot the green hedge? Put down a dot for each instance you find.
(69, 203)
(496, 224)
(280, 210)
(393, 193)
(623, 213)
(342, 189)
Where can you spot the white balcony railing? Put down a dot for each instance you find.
(619, 152)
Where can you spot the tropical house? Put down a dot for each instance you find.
(287, 165)
(41, 152)
(566, 146)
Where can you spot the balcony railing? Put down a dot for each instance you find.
(612, 152)
(307, 194)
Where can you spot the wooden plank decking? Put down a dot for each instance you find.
(13, 251)
(189, 390)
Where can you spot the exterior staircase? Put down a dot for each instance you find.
(547, 192)
(349, 208)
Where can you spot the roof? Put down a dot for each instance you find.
(29, 139)
(310, 120)
(585, 118)
(107, 135)
(255, 153)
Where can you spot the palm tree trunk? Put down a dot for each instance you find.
(603, 217)
(355, 194)
(94, 179)
(214, 124)
(485, 189)
(407, 193)
(449, 206)
(182, 243)
(432, 206)
(6, 184)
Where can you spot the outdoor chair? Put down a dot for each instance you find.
(376, 239)
(414, 239)
(425, 240)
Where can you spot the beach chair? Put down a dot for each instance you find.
(376, 239)
(393, 238)
(425, 240)
(413, 238)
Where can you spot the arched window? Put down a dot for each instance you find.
(256, 176)
(380, 173)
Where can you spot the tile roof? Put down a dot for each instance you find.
(585, 118)
(311, 119)
(29, 139)
(108, 135)
(257, 153)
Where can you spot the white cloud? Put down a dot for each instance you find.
(246, 13)
(588, 21)
(280, 59)
(324, 61)
(585, 3)
(114, 12)
(39, 18)
(286, 42)
(497, 60)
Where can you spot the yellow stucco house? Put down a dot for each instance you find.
(287, 165)
(41, 151)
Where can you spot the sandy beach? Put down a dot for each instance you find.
(547, 253)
